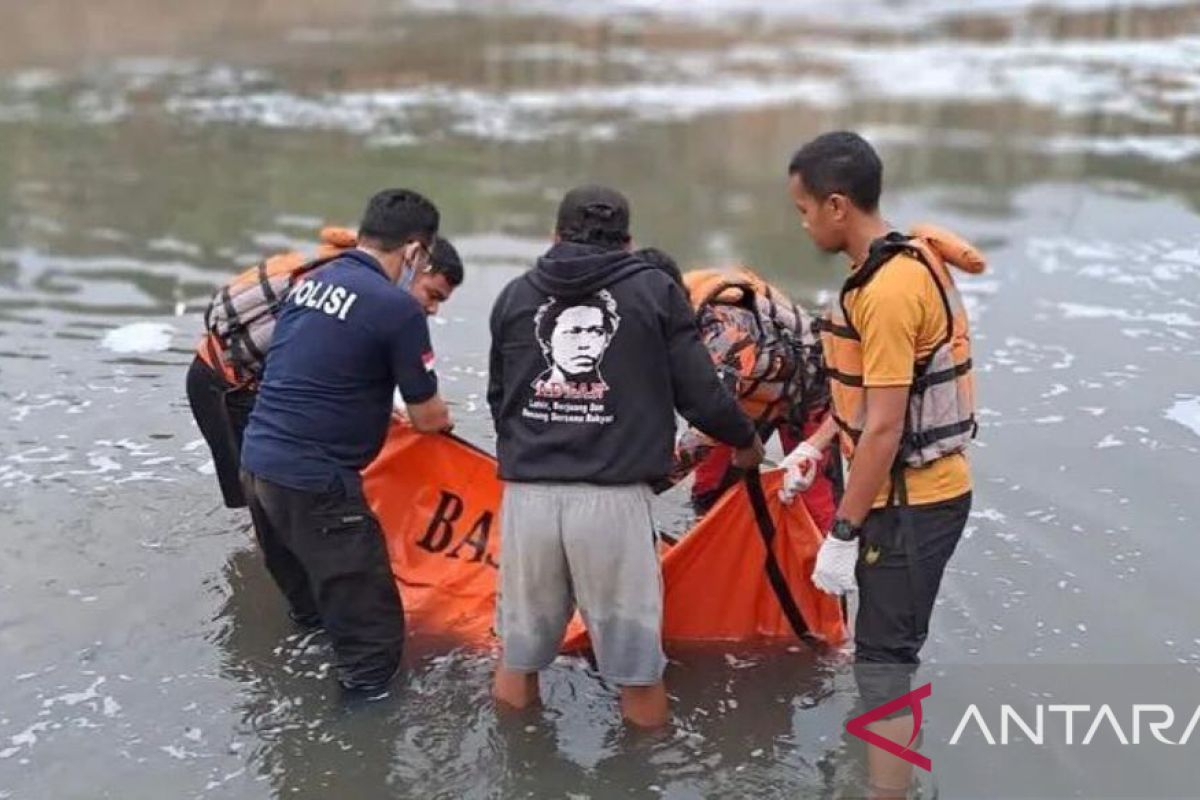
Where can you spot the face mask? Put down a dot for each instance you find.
(406, 278)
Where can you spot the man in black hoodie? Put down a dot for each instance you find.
(592, 353)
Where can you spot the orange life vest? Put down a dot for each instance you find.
(756, 333)
(941, 407)
(240, 319)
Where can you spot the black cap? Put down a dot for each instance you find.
(594, 215)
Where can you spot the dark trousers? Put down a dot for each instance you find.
(221, 412)
(327, 554)
(899, 572)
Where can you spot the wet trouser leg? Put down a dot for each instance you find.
(339, 548)
(270, 518)
(221, 412)
(899, 574)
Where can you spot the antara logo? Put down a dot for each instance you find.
(858, 726)
(1158, 718)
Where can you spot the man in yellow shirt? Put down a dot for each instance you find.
(897, 349)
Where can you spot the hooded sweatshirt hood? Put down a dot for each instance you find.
(574, 270)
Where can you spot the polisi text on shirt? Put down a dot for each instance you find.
(327, 298)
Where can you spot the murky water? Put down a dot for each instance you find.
(147, 151)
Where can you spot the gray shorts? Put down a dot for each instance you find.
(564, 545)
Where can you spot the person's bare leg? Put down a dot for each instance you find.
(644, 706)
(516, 690)
(890, 776)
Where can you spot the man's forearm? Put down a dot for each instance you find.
(824, 435)
(873, 459)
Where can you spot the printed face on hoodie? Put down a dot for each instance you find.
(579, 340)
(574, 335)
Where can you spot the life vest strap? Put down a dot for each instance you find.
(854, 433)
(844, 378)
(824, 325)
(227, 301)
(923, 382)
(942, 294)
(923, 439)
(264, 283)
(775, 576)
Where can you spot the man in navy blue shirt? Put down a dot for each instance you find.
(348, 335)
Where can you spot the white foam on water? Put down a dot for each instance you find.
(299, 221)
(1109, 441)
(26, 738)
(39, 455)
(34, 80)
(1189, 256)
(143, 476)
(970, 285)
(167, 244)
(393, 140)
(1088, 311)
(100, 108)
(520, 115)
(75, 698)
(1186, 412)
(1170, 148)
(237, 773)
(132, 447)
(157, 460)
(22, 411)
(719, 11)
(139, 337)
(1071, 78)
(354, 112)
(1140, 79)
(101, 464)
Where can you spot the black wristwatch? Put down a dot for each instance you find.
(845, 530)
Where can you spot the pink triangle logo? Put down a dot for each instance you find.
(858, 726)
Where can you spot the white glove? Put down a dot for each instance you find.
(834, 573)
(801, 465)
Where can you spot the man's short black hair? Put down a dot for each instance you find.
(595, 215)
(394, 217)
(445, 261)
(843, 163)
(661, 260)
